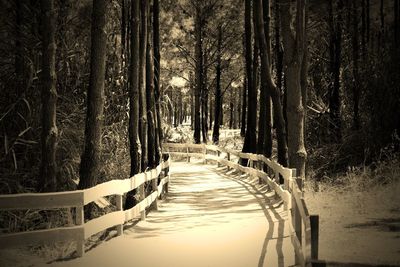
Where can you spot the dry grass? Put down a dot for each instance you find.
(361, 208)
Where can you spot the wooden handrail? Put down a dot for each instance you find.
(77, 199)
(304, 236)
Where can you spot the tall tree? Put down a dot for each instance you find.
(90, 159)
(266, 78)
(150, 102)
(142, 83)
(267, 146)
(245, 82)
(264, 139)
(134, 72)
(198, 73)
(396, 22)
(278, 47)
(250, 137)
(19, 60)
(335, 63)
(156, 44)
(204, 100)
(48, 168)
(356, 80)
(218, 93)
(294, 46)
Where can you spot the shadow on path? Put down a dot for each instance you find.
(267, 203)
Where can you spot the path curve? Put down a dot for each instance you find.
(211, 217)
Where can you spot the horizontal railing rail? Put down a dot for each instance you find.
(78, 199)
(304, 227)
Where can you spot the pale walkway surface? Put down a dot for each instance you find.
(209, 218)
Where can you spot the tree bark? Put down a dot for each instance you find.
(250, 137)
(363, 27)
(143, 128)
(157, 57)
(123, 27)
(278, 48)
(294, 47)
(382, 20)
(48, 168)
(198, 74)
(19, 61)
(356, 80)
(267, 146)
(264, 141)
(204, 102)
(245, 80)
(218, 93)
(192, 100)
(272, 89)
(151, 108)
(396, 23)
(89, 167)
(134, 141)
(335, 55)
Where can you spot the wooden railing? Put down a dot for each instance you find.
(78, 199)
(304, 227)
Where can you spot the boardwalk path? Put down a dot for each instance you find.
(211, 217)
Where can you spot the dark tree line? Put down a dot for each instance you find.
(131, 69)
(83, 83)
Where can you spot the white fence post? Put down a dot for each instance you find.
(120, 227)
(142, 196)
(80, 220)
(155, 188)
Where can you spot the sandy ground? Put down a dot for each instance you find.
(361, 227)
(208, 219)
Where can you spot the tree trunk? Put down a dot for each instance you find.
(272, 89)
(363, 27)
(294, 47)
(368, 22)
(304, 67)
(199, 75)
(356, 80)
(204, 102)
(239, 105)
(382, 20)
(134, 72)
(211, 118)
(19, 60)
(123, 27)
(192, 100)
(142, 84)
(264, 141)
(396, 24)
(335, 54)
(89, 168)
(278, 48)
(250, 137)
(157, 57)
(244, 95)
(267, 145)
(48, 168)
(150, 103)
(218, 93)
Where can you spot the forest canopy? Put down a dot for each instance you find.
(91, 89)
